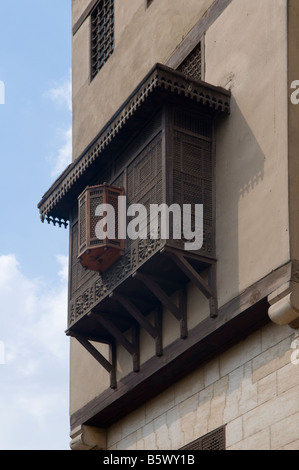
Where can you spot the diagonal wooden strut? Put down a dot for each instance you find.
(178, 312)
(109, 366)
(135, 312)
(207, 289)
(154, 331)
(132, 348)
(159, 293)
(191, 273)
(213, 299)
(183, 309)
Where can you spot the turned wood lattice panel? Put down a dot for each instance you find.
(193, 170)
(102, 34)
(174, 165)
(158, 147)
(159, 84)
(192, 65)
(99, 253)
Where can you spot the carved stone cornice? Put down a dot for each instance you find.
(159, 82)
(284, 302)
(88, 438)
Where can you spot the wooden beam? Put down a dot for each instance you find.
(173, 285)
(158, 313)
(206, 340)
(213, 284)
(192, 274)
(237, 318)
(208, 290)
(132, 348)
(94, 352)
(113, 359)
(136, 344)
(183, 309)
(109, 366)
(193, 255)
(192, 38)
(115, 332)
(159, 293)
(135, 313)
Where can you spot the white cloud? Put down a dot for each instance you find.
(34, 378)
(64, 153)
(64, 271)
(61, 94)
(37, 310)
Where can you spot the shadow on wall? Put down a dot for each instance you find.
(239, 171)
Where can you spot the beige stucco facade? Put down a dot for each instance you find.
(252, 388)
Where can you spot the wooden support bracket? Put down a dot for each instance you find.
(132, 348)
(180, 313)
(183, 309)
(207, 289)
(154, 331)
(159, 293)
(109, 366)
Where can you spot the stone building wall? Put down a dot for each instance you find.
(252, 388)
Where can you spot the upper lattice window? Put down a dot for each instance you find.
(192, 65)
(102, 34)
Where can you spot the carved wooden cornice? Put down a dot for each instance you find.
(54, 206)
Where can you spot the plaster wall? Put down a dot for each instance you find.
(143, 37)
(245, 51)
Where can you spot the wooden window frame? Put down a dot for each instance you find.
(103, 39)
(184, 65)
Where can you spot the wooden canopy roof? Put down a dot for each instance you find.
(160, 83)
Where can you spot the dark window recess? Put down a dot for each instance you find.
(192, 65)
(214, 440)
(102, 34)
(148, 3)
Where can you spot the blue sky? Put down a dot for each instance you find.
(35, 146)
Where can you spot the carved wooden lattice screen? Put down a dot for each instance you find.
(187, 178)
(193, 169)
(192, 65)
(139, 171)
(102, 34)
(99, 253)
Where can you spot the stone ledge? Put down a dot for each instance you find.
(88, 438)
(284, 305)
